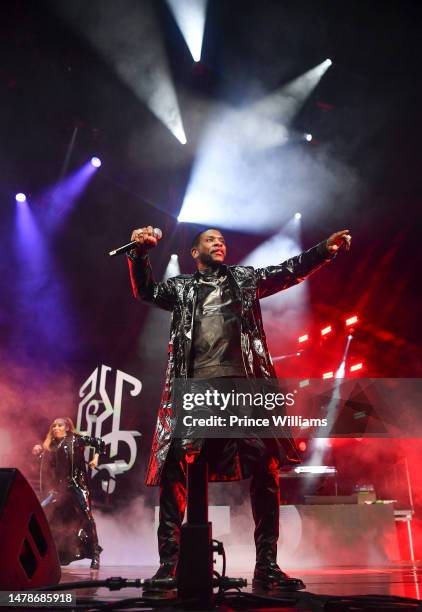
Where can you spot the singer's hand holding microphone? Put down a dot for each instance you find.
(145, 238)
(141, 241)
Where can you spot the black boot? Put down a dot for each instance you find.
(95, 547)
(95, 563)
(265, 501)
(269, 577)
(166, 570)
(172, 510)
(164, 578)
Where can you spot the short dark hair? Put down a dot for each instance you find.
(197, 237)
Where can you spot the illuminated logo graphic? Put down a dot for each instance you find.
(98, 413)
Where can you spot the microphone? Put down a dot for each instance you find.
(156, 232)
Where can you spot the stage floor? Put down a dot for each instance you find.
(403, 580)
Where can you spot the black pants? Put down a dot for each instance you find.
(82, 499)
(264, 492)
(69, 514)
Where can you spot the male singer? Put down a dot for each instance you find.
(216, 333)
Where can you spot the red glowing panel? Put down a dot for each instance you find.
(326, 330)
(351, 320)
(328, 375)
(357, 366)
(303, 338)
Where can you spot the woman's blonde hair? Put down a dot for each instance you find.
(49, 437)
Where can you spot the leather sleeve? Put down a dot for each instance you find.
(96, 443)
(272, 279)
(144, 287)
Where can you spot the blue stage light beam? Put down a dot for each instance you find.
(29, 241)
(59, 200)
(42, 322)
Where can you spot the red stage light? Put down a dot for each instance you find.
(328, 375)
(351, 320)
(326, 330)
(357, 366)
(302, 446)
(303, 338)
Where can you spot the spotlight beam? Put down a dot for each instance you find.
(127, 37)
(173, 267)
(69, 152)
(190, 18)
(42, 315)
(62, 197)
(239, 158)
(292, 305)
(287, 101)
(318, 445)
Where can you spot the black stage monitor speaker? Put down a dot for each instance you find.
(28, 556)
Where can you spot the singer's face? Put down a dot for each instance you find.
(58, 429)
(211, 248)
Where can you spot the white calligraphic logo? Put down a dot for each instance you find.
(97, 412)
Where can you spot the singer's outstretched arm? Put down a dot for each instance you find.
(272, 279)
(145, 289)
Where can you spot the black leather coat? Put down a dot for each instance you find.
(68, 505)
(64, 466)
(178, 295)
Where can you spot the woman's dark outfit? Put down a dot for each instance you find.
(68, 505)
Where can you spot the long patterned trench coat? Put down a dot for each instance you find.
(178, 295)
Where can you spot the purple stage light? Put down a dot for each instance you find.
(96, 162)
(20, 197)
(43, 321)
(63, 196)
